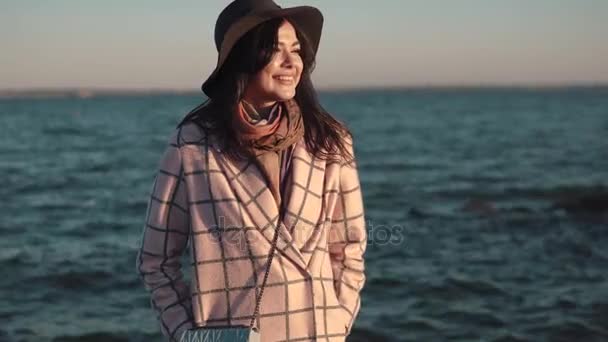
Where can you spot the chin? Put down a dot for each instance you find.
(284, 96)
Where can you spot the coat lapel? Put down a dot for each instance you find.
(251, 188)
(304, 202)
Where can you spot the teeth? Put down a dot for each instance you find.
(284, 78)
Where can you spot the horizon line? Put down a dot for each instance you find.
(86, 91)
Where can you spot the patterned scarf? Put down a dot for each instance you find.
(269, 139)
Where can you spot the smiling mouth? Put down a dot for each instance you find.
(284, 79)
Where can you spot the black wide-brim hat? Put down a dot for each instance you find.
(240, 16)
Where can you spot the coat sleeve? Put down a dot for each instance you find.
(163, 242)
(348, 240)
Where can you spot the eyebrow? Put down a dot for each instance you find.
(294, 44)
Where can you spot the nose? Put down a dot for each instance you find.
(288, 60)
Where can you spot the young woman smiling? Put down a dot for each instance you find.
(260, 156)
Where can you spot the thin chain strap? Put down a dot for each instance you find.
(256, 311)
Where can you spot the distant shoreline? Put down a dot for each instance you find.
(83, 93)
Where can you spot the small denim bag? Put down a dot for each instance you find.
(221, 334)
(233, 333)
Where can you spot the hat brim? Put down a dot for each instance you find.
(308, 21)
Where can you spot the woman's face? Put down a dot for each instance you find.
(278, 80)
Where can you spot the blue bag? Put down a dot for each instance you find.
(240, 333)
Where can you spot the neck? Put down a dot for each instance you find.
(262, 108)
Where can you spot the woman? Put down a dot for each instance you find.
(260, 155)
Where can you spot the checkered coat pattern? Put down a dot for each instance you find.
(225, 213)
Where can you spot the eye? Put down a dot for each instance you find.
(297, 51)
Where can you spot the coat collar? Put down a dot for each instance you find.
(259, 202)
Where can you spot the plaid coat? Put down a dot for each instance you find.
(226, 211)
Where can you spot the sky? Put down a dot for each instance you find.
(159, 44)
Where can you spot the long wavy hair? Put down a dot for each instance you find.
(324, 135)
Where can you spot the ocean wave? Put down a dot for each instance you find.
(67, 130)
(81, 280)
(458, 288)
(549, 193)
(568, 331)
(589, 203)
(108, 337)
(361, 334)
(512, 337)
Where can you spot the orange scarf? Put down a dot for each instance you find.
(250, 124)
(268, 140)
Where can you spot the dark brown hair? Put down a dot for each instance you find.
(324, 135)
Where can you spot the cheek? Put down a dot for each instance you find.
(299, 67)
(262, 81)
(266, 76)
